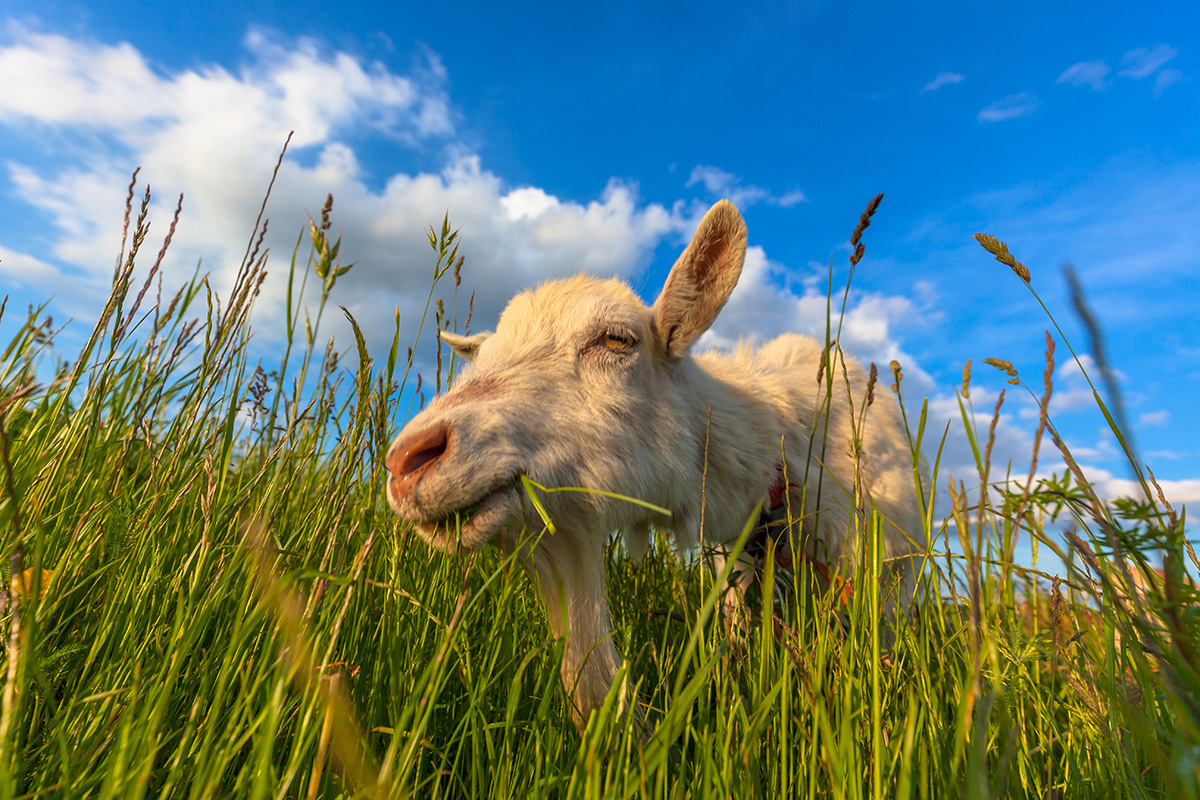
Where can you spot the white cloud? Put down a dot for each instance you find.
(764, 305)
(1164, 79)
(529, 202)
(725, 184)
(215, 135)
(1073, 399)
(1109, 487)
(53, 79)
(1091, 73)
(25, 270)
(1071, 369)
(1144, 61)
(943, 79)
(1011, 447)
(1156, 419)
(1015, 105)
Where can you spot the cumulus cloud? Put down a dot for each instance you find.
(1145, 61)
(53, 79)
(210, 133)
(943, 79)
(1011, 107)
(215, 134)
(1072, 389)
(767, 304)
(725, 184)
(1089, 73)
(1108, 486)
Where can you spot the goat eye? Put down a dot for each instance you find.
(616, 341)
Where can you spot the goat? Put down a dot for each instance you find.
(582, 385)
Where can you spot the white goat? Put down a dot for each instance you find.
(582, 385)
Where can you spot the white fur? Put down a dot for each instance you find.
(552, 396)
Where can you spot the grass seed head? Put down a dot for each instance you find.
(999, 251)
(857, 255)
(325, 211)
(1006, 366)
(864, 221)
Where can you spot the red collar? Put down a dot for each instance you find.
(772, 526)
(775, 495)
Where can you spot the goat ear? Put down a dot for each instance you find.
(701, 280)
(465, 346)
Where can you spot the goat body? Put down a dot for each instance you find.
(582, 385)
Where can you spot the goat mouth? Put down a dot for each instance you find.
(475, 523)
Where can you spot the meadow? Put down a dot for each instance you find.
(209, 597)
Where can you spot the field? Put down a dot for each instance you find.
(209, 597)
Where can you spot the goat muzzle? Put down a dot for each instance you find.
(413, 457)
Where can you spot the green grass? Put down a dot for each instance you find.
(232, 611)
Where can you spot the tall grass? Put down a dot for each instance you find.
(209, 598)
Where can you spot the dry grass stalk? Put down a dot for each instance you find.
(125, 223)
(314, 780)
(987, 457)
(247, 259)
(345, 734)
(1043, 423)
(125, 323)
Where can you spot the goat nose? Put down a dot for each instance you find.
(409, 456)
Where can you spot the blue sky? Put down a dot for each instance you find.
(592, 138)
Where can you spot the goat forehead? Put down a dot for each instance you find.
(556, 311)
